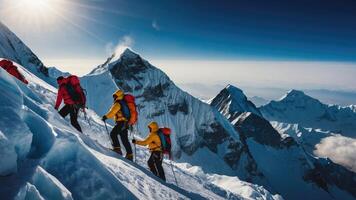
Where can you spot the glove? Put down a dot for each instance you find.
(104, 118)
(133, 141)
(130, 128)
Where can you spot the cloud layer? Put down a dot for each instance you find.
(339, 149)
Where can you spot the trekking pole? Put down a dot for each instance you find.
(174, 174)
(106, 127)
(86, 118)
(135, 157)
(107, 131)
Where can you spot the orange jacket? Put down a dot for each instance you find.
(153, 141)
(115, 110)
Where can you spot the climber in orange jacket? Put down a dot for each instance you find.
(122, 124)
(153, 142)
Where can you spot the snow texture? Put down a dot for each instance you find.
(46, 158)
(11, 47)
(286, 164)
(195, 125)
(298, 108)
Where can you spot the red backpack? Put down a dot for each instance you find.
(75, 91)
(166, 143)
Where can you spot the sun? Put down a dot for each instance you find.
(35, 5)
(32, 13)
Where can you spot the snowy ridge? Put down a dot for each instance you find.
(336, 147)
(47, 159)
(232, 101)
(300, 171)
(297, 108)
(200, 135)
(11, 47)
(51, 153)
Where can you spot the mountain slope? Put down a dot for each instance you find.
(45, 158)
(11, 47)
(283, 162)
(201, 136)
(338, 148)
(232, 101)
(50, 152)
(298, 108)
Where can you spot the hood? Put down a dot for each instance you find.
(153, 127)
(119, 95)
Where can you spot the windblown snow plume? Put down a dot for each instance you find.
(124, 43)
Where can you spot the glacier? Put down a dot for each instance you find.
(48, 159)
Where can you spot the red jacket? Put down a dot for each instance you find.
(63, 95)
(12, 69)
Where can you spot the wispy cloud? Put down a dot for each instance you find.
(124, 43)
(155, 25)
(339, 149)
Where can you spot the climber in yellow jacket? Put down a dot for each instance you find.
(121, 127)
(154, 145)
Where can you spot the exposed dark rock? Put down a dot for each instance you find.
(214, 138)
(256, 127)
(233, 156)
(289, 142)
(123, 85)
(327, 116)
(233, 100)
(128, 68)
(179, 107)
(187, 146)
(154, 93)
(316, 177)
(156, 114)
(337, 175)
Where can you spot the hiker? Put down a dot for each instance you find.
(12, 69)
(124, 113)
(154, 144)
(70, 91)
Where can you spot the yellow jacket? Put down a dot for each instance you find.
(115, 110)
(153, 141)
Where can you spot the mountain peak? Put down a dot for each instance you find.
(232, 100)
(128, 54)
(295, 94)
(233, 89)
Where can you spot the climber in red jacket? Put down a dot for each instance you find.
(12, 69)
(71, 107)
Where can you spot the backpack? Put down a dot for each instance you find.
(166, 143)
(75, 91)
(128, 108)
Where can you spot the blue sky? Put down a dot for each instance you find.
(277, 29)
(76, 35)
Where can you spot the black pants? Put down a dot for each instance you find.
(122, 130)
(73, 111)
(155, 164)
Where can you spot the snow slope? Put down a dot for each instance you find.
(258, 101)
(298, 108)
(45, 158)
(201, 136)
(11, 47)
(338, 148)
(289, 169)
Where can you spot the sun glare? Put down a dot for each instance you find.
(38, 13)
